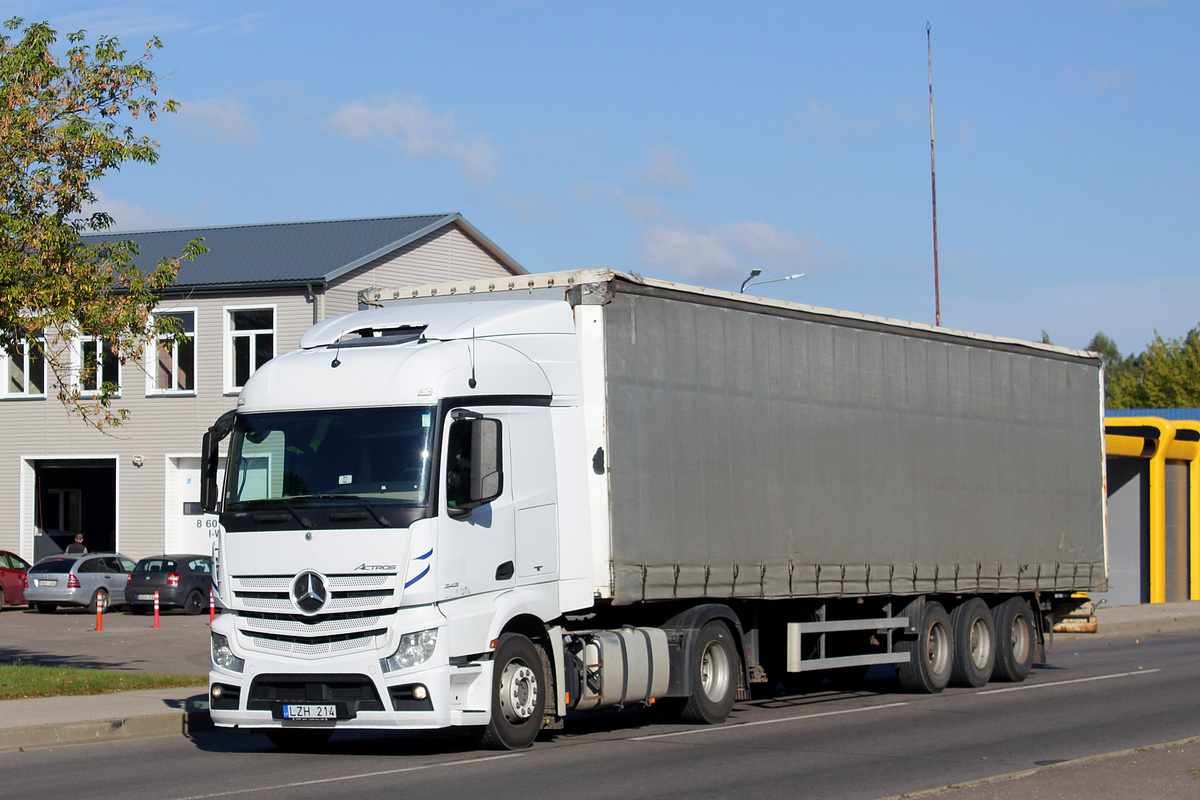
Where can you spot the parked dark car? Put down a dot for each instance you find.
(77, 580)
(12, 579)
(182, 581)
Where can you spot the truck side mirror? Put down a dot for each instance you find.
(474, 476)
(210, 459)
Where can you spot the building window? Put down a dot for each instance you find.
(99, 365)
(175, 367)
(25, 369)
(251, 342)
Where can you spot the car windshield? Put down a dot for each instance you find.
(364, 457)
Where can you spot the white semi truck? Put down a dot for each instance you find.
(491, 503)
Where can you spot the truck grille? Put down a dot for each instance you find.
(347, 593)
(355, 690)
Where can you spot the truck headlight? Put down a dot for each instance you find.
(222, 654)
(414, 649)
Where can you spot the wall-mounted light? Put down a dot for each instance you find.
(138, 461)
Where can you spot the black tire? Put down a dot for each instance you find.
(518, 695)
(299, 740)
(96, 602)
(46, 608)
(974, 643)
(714, 669)
(931, 652)
(194, 603)
(1013, 621)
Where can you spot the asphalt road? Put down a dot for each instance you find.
(69, 638)
(1099, 696)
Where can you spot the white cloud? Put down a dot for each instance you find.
(420, 133)
(216, 120)
(1113, 80)
(662, 169)
(128, 216)
(637, 208)
(726, 254)
(823, 121)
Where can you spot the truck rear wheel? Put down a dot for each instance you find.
(974, 643)
(518, 695)
(931, 652)
(714, 676)
(1013, 621)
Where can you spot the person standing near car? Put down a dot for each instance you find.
(77, 545)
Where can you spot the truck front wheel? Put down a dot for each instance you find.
(714, 676)
(518, 695)
(931, 652)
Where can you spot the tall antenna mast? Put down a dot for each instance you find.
(937, 294)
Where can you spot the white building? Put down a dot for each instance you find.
(250, 297)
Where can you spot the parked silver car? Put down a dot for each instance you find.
(78, 580)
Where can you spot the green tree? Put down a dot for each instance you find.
(1166, 375)
(64, 123)
(1106, 348)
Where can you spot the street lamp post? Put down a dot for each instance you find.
(754, 273)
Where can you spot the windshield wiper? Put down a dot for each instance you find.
(285, 504)
(383, 521)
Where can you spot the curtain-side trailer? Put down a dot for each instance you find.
(491, 503)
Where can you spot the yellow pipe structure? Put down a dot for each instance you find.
(1185, 446)
(1155, 448)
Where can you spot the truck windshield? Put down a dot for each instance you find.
(371, 459)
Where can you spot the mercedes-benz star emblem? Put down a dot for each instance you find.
(309, 592)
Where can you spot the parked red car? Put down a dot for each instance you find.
(12, 579)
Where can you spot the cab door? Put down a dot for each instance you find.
(475, 544)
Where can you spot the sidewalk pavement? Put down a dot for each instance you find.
(41, 721)
(45, 721)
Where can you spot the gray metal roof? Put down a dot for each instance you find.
(289, 253)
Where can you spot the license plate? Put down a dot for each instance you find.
(310, 712)
(145, 597)
(47, 583)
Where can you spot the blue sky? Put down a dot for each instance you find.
(694, 141)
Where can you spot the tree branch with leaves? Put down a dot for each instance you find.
(64, 123)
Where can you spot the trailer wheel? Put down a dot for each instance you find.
(299, 740)
(714, 676)
(518, 695)
(1013, 621)
(974, 643)
(931, 652)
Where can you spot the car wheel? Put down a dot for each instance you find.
(99, 602)
(194, 604)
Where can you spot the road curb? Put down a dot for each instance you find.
(91, 731)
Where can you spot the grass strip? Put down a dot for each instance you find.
(21, 681)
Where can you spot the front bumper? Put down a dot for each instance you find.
(431, 695)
